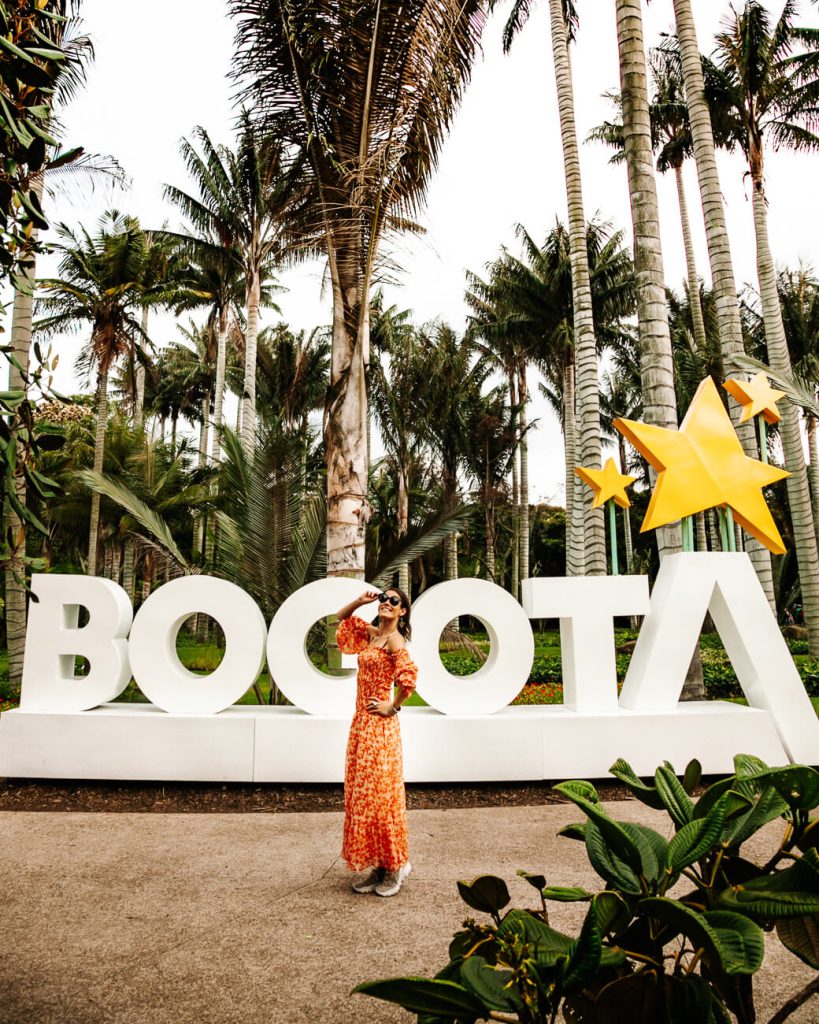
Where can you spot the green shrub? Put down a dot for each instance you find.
(641, 955)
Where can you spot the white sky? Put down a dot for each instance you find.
(161, 69)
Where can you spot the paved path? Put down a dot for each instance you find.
(222, 918)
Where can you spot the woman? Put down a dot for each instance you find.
(375, 818)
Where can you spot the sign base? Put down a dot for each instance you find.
(284, 744)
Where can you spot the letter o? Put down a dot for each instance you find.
(156, 666)
(297, 677)
(512, 646)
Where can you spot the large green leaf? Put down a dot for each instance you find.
(486, 893)
(797, 784)
(566, 894)
(766, 806)
(801, 936)
(611, 869)
(431, 996)
(742, 941)
(577, 830)
(710, 797)
(546, 944)
(695, 839)
(494, 987)
(623, 771)
(586, 952)
(632, 849)
(677, 802)
(612, 912)
(683, 920)
(791, 892)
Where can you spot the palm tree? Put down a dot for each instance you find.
(244, 201)
(367, 93)
(526, 306)
(98, 286)
(762, 85)
(563, 27)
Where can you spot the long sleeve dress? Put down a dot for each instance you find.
(375, 811)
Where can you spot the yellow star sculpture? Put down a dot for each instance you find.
(606, 483)
(757, 396)
(702, 465)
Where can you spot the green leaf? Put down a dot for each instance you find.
(623, 771)
(431, 996)
(612, 912)
(565, 894)
(13, 48)
(579, 787)
(767, 806)
(688, 922)
(546, 944)
(485, 893)
(575, 831)
(693, 774)
(677, 802)
(801, 936)
(792, 892)
(747, 766)
(586, 952)
(622, 845)
(797, 784)
(538, 881)
(695, 839)
(609, 867)
(742, 941)
(47, 53)
(492, 986)
(710, 797)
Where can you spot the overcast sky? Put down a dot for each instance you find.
(161, 69)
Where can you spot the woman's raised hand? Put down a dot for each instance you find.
(367, 596)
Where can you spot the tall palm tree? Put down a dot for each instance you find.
(762, 84)
(242, 209)
(367, 93)
(563, 18)
(98, 287)
(526, 307)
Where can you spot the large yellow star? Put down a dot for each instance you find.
(606, 483)
(702, 465)
(757, 396)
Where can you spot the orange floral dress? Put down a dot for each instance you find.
(375, 809)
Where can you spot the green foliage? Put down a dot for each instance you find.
(642, 955)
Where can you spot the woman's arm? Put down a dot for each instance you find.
(348, 609)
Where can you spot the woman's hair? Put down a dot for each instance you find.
(404, 627)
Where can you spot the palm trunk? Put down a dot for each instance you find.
(116, 561)
(514, 583)
(199, 520)
(147, 575)
(719, 248)
(813, 451)
(523, 518)
(249, 392)
(490, 540)
(585, 344)
(403, 524)
(128, 576)
(575, 551)
(691, 266)
(702, 539)
(139, 374)
(219, 396)
(656, 362)
(629, 543)
(345, 427)
(99, 452)
(804, 533)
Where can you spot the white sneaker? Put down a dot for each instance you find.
(370, 881)
(393, 881)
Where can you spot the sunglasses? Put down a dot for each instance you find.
(394, 601)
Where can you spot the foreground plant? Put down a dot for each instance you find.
(642, 955)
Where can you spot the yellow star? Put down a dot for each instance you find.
(757, 396)
(702, 465)
(606, 483)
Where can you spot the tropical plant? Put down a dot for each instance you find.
(367, 93)
(98, 287)
(526, 307)
(642, 955)
(762, 85)
(243, 208)
(564, 21)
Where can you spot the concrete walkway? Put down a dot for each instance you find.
(222, 918)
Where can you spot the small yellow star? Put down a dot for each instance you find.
(702, 465)
(757, 396)
(606, 483)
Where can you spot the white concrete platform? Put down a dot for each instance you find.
(272, 744)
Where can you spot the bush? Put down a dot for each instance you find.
(642, 956)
